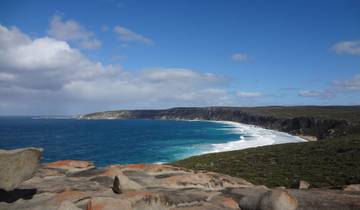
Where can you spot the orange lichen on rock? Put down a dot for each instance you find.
(112, 171)
(230, 203)
(70, 164)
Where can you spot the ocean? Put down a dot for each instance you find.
(131, 141)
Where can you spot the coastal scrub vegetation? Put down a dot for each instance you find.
(330, 163)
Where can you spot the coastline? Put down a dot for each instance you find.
(307, 122)
(252, 136)
(307, 138)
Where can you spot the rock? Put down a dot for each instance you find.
(161, 187)
(303, 185)
(87, 173)
(18, 165)
(262, 198)
(107, 203)
(278, 200)
(116, 186)
(44, 172)
(250, 197)
(128, 184)
(67, 205)
(103, 180)
(203, 180)
(225, 202)
(352, 187)
(71, 166)
(183, 197)
(151, 201)
(67, 195)
(309, 138)
(327, 199)
(125, 182)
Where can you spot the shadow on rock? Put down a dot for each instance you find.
(14, 195)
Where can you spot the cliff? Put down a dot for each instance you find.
(318, 121)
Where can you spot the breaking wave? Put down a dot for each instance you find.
(251, 136)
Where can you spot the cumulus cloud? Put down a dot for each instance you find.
(335, 88)
(248, 94)
(351, 84)
(46, 75)
(71, 30)
(316, 94)
(239, 57)
(44, 63)
(126, 35)
(347, 47)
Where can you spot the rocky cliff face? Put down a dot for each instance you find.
(298, 124)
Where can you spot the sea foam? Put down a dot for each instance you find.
(251, 136)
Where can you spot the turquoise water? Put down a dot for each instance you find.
(131, 141)
(114, 141)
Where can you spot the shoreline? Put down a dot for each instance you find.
(244, 142)
(307, 138)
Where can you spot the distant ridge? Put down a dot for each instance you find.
(318, 121)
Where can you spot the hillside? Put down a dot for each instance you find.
(332, 163)
(319, 121)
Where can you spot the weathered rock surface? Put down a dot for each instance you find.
(71, 166)
(304, 185)
(352, 187)
(278, 200)
(79, 185)
(116, 185)
(17, 165)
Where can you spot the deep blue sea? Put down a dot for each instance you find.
(124, 141)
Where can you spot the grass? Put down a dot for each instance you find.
(331, 163)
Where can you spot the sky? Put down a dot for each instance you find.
(75, 57)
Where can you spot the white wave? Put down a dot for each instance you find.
(252, 136)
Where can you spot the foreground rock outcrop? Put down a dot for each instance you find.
(17, 166)
(74, 185)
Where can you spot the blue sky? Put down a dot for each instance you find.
(66, 57)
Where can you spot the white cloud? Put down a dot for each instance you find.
(347, 47)
(6, 77)
(248, 94)
(337, 87)
(126, 35)
(46, 75)
(239, 57)
(351, 84)
(316, 94)
(71, 30)
(44, 63)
